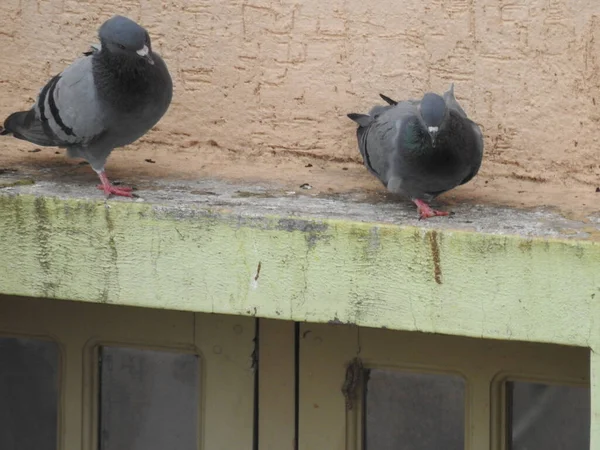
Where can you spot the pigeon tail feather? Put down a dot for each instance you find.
(23, 125)
(363, 120)
(388, 100)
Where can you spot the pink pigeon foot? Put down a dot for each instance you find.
(426, 212)
(109, 189)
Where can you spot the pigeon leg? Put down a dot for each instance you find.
(108, 188)
(426, 212)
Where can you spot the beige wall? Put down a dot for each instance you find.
(261, 75)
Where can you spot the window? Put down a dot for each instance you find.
(29, 394)
(549, 417)
(420, 411)
(148, 399)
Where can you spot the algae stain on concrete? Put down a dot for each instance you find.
(374, 240)
(110, 226)
(313, 231)
(43, 228)
(367, 240)
(15, 183)
(19, 220)
(435, 254)
(44, 252)
(526, 246)
(111, 270)
(104, 296)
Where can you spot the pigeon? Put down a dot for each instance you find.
(108, 98)
(420, 148)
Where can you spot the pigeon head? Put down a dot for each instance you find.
(433, 112)
(123, 37)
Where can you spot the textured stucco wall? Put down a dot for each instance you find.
(262, 75)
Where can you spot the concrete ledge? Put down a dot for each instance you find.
(215, 247)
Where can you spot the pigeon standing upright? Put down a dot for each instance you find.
(420, 148)
(108, 98)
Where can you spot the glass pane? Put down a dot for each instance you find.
(148, 400)
(28, 394)
(549, 417)
(415, 411)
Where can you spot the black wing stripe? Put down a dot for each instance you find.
(362, 137)
(42, 108)
(54, 109)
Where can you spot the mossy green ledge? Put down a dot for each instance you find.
(214, 247)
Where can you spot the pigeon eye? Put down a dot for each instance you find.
(122, 47)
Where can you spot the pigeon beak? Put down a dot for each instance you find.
(145, 53)
(433, 132)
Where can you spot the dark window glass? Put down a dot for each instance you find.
(148, 400)
(416, 411)
(28, 394)
(548, 417)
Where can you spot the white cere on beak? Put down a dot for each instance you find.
(433, 131)
(143, 51)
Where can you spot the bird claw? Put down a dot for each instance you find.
(431, 213)
(123, 191)
(425, 211)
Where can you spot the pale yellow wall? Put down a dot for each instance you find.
(261, 75)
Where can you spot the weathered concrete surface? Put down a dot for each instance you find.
(246, 250)
(269, 199)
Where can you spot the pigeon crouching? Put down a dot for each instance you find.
(420, 148)
(109, 98)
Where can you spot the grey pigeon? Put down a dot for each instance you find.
(108, 98)
(420, 148)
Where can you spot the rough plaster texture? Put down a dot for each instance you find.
(262, 86)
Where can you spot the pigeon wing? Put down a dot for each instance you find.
(66, 113)
(70, 107)
(382, 142)
(476, 162)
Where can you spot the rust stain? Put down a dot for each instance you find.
(435, 253)
(257, 271)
